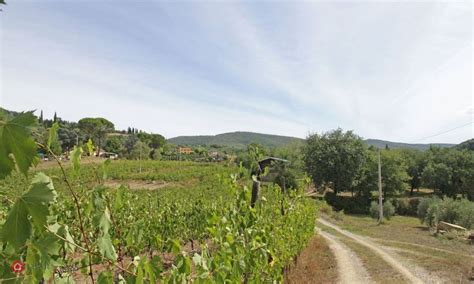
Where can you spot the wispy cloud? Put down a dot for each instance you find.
(395, 70)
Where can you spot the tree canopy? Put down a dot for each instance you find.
(334, 159)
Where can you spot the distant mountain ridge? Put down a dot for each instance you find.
(241, 139)
(396, 145)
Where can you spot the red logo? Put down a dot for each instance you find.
(17, 267)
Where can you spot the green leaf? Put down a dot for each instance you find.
(76, 158)
(119, 196)
(105, 277)
(105, 167)
(34, 203)
(53, 134)
(106, 247)
(17, 228)
(17, 147)
(38, 197)
(90, 147)
(47, 247)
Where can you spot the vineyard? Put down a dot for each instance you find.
(67, 224)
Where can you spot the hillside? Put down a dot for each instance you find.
(466, 145)
(395, 145)
(240, 139)
(237, 139)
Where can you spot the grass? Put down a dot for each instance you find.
(315, 264)
(450, 259)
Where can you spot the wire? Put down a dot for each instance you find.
(452, 129)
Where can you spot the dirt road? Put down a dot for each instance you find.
(350, 267)
(411, 272)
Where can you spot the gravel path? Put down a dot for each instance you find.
(350, 267)
(414, 274)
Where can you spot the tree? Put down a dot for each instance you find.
(97, 129)
(334, 159)
(394, 172)
(129, 143)
(114, 144)
(416, 162)
(55, 117)
(157, 141)
(140, 151)
(41, 117)
(450, 171)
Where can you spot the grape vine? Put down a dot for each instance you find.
(67, 224)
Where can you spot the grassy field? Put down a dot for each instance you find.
(450, 259)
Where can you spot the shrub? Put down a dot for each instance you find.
(423, 206)
(466, 216)
(406, 206)
(433, 210)
(401, 206)
(353, 205)
(374, 210)
(388, 210)
(413, 206)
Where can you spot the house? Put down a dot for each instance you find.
(185, 150)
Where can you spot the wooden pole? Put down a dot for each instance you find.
(380, 191)
(255, 190)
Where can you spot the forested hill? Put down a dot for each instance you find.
(241, 139)
(397, 145)
(238, 139)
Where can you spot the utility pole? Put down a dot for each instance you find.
(380, 191)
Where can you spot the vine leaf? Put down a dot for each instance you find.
(76, 158)
(16, 144)
(106, 247)
(53, 134)
(34, 203)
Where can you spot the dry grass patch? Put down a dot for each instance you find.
(315, 264)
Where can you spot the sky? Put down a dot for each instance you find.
(399, 71)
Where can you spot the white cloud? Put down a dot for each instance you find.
(396, 70)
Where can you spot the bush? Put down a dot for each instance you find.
(388, 210)
(413, 206)
(406, 206)
(423, 206)
(431, 211)
(466, 216)
(401, 206)
(352, 205)
(374, 210)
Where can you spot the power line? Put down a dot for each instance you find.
(452, 129)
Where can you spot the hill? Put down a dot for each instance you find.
(396, 145)
(466, 145)
(239, 139)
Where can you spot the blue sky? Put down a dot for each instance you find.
(400, 71)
